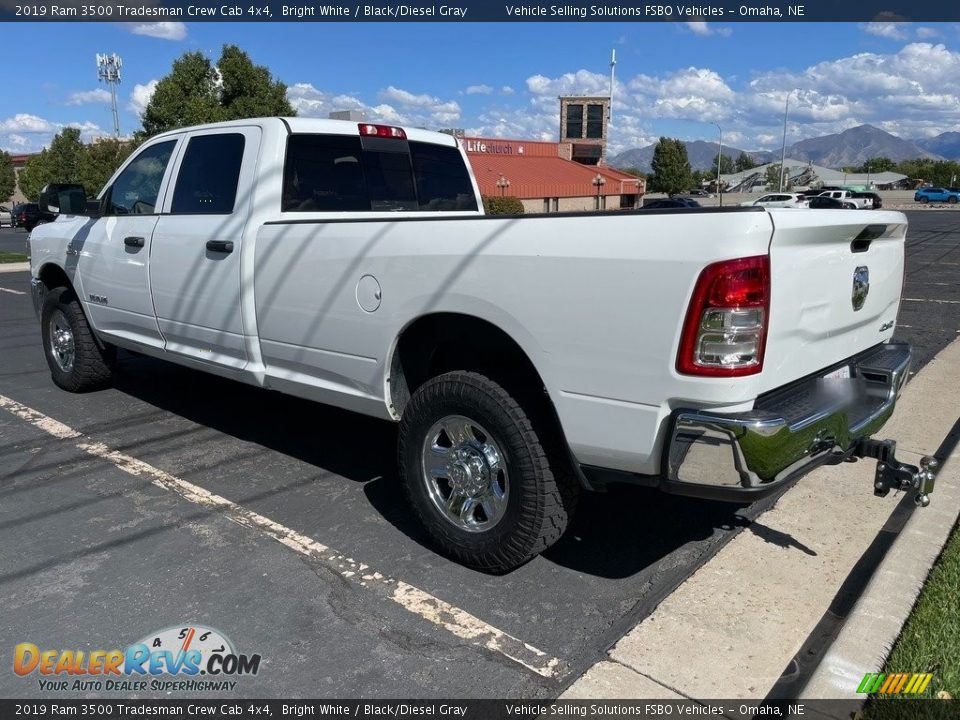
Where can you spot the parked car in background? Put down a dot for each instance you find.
(936, 194)
(779, 200)
(674, 202)
(824, 202)
(699, 193)
(29, 215)
(877, 200)
(6, 216)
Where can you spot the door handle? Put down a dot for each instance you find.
(224, 246)
(133, 241)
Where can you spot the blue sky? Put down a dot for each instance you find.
(502, 79)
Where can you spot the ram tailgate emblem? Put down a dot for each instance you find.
(861, 286)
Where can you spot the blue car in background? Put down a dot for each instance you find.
(936, 194)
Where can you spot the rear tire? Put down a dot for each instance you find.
(478, 475)
(78, 361)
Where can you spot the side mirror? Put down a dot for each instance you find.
(64, 198)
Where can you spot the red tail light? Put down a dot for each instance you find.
(725, 331)
(384, 131)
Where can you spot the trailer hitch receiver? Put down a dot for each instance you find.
(891, 474)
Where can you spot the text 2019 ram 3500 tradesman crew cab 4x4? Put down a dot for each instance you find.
(715, 352)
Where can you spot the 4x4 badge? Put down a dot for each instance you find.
(861, 286)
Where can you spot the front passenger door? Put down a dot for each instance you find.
(113, 255)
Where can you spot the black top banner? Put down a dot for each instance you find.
(476, 11)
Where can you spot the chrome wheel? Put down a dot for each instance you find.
(62, 347)
(465, 473)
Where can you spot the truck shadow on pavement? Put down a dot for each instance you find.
(615, 534)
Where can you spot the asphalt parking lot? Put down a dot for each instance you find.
(92, 557)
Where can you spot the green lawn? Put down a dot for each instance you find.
(12, 257)
(930, 641)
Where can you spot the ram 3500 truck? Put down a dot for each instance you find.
(716, 353)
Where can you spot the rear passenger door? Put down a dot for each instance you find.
(197, 244)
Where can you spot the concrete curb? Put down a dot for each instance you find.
(878, 617)
(14, 267)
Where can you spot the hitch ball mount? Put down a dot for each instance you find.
(892, 474)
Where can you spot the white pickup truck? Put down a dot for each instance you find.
(710, 352)
(846, 196)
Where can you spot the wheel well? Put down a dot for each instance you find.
(53, 276)
(439, 343)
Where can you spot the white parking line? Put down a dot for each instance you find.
(941, 302)
(13, 292)
(456, 621)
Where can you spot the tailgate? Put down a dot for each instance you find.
(815, 256)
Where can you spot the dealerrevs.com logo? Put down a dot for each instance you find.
(186, 658)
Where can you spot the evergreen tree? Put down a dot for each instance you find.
(8, 177)
(671, 168)
(744, 162)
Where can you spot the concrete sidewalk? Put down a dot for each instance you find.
(731, 628)
(14, 267)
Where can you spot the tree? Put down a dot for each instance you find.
(68, 160)
(671, 168)
(773, 178)
(100, 161)
(196, 92)
(744, 162)
(877, 165)
(726, 166)
(8, 177)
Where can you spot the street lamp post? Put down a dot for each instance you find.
(598, 182)
(719, 157)
(783, 149)
(503, 184)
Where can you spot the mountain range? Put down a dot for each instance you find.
(848, 148)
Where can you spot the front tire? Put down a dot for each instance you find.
(78, 361)
(478, 475)
(952, 200)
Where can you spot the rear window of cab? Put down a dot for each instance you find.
(343, 173)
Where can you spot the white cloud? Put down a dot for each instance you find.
(479, 90)
(894, 91)
(890, 30)
(424, 107)
(162, 30)
(691, 93)
(17, 141)
(25, 133)
(926, 33)
(704, 29)
(86, 97)
(26, 123)
(140, 97)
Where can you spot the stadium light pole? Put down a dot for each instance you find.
(108, 71)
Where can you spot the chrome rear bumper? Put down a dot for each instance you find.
(790, 431)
